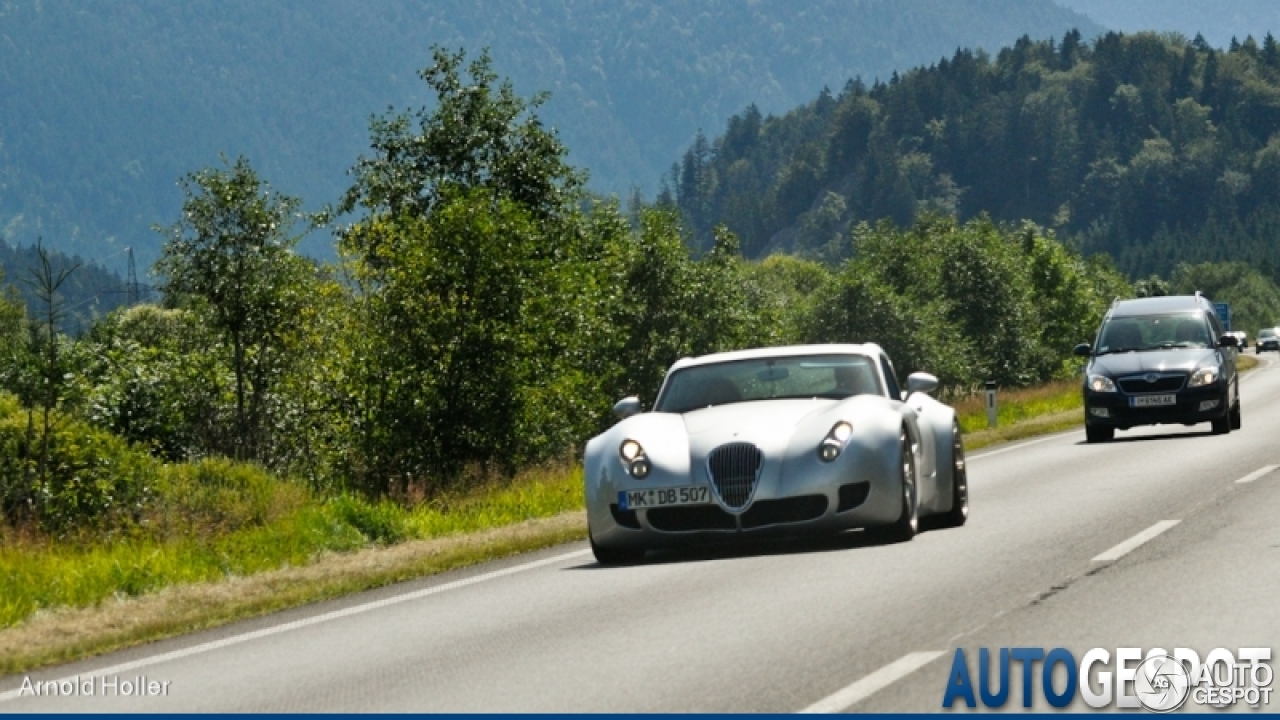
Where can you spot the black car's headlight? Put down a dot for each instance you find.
(1101, 383)
(634, 459)
(835, 441)
(1204, 376)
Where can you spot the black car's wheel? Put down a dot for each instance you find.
(1222, 425)
(615, 556)
(959, 512)
(908, 523)
(1235, 416)
(1098, 434)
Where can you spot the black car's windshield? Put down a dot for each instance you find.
(1267, 333)
(806, 376)
(1154, 332)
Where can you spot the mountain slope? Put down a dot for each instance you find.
(1151, 148)
(1217, 21)
(106, 103)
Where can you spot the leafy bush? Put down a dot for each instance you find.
(76, 478)
(216, 495)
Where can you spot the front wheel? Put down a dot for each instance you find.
(908, 523)
(1094, 434)
(1235, 416)
(959, 512)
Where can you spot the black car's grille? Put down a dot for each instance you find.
(1157, 384)
(734, 470)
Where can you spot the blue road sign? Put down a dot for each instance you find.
(1224, 314)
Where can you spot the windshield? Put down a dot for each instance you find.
(806, 376)
(1154, 332)
(1267, 333)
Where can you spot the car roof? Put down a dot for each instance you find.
(1158, 305)
(868, 349)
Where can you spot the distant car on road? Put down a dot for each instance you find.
(1268, 339)
(1160, 360)
(1242, 338)
(755, 443)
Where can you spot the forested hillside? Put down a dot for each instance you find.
(104, 104)
(1217, 21)
(1154, 149)
(87, 293)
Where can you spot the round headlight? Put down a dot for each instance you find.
(828, 452)
(639, 468)
(630, 450)
(841, 432)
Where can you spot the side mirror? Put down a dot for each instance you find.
(921, 382)
(1228, 341)
(626, 407)
(1082, 350)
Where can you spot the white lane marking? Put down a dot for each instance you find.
(1019, 446)
(1135, 542)
(876, 681)
(1266, 470)
(296, 624)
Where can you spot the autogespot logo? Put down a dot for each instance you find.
(1162, 683)
(1157, 680)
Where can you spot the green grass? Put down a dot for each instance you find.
(285, 528)
(1021, 405)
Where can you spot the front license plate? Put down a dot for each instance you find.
(1153, 400)
(664, 497)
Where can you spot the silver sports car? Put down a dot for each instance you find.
(811, 438)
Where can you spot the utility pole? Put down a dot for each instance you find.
(132, 287)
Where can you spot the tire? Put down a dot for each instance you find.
(959, 512)
(1222, 425)
(615, 556)
(1235, 416)
(908, 522)
(1097, 434)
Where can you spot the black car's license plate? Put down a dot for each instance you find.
(1153, 400)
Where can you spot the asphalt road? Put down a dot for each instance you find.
(1049, 558)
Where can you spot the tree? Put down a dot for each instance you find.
(480, 134)
(231, 259)
(475, 273)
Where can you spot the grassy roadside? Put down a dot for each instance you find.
(65, 600)
(68, 634)
(87, 601)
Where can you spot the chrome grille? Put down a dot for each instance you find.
(1153, 383)
(735, 467)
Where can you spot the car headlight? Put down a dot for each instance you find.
(1101, 383)
(634, 459)
(1204, 376)
(835, 440)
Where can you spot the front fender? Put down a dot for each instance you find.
(937, 422)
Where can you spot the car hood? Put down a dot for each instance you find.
(768, 424)
(1132, 363)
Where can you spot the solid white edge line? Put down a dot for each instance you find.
(1019, 446)
(873, 683)
(1135, 542)
(1266, 470)
(306, 622)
